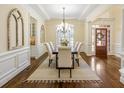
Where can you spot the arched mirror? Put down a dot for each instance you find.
(42, 34)
(15, 29)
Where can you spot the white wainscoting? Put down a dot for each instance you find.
(117, 49)
(87, 47)
(37, 50)
(122, 68)
(122, 75)
(13, 62)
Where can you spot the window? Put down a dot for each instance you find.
(68, 35)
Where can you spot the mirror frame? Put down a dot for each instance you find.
(11, 14)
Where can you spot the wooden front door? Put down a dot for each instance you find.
(101, 42)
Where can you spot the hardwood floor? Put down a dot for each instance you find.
(106, 69)
(17, 80)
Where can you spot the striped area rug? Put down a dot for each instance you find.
(68, 84)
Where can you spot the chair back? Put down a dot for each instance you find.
(49, 50)
(76, 44)
(64, 57)
(51, 45)
(78, 48)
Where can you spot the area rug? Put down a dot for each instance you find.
(49, 84)
(47, 77)
(45, 73)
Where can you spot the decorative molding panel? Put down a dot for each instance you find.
(37, 50)
(13, 62)
(87, 47)
(117, 49)
(122, 75)
(122, 68)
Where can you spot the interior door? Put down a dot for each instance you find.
(101, 42)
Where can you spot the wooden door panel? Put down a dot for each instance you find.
(101, 51)
(101, 42)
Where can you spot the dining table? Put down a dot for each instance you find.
(73, 51)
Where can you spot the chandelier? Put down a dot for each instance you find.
(64, 28)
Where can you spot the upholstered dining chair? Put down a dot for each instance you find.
(76, 44)
(64, 60)
(77, 57)
(50, 55)
(52, 45)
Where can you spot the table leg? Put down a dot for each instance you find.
(56, 61)
(73, 61)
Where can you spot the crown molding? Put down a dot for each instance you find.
(43, 11)
(36, 9)
(87, 11)
(84, 11)
(97, 11)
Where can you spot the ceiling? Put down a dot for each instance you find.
(72, 11)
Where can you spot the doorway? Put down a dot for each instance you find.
(101, 42)
(33, 37)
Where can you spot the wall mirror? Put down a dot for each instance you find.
(15, 29)
(42, 34)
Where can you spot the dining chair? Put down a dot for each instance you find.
(76, 44)
(50, 55)
(64, 60)
(52, 46)
(77, 57)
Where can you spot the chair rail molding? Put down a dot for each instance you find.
(13, 62)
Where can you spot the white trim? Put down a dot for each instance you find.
(122, 32)
(43, 11)
(12, 74)
(37, 50)
(13, 51)
(13, 62)
(122, 80)
(84, 11)
(100, 9)
(122, 75)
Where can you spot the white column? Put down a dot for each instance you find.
(88, 42)
(122, 51)
(122, 35)
(122, 69)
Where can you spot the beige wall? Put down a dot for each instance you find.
(4, 11)
(50, 33)
(26, 12)
(115, 12)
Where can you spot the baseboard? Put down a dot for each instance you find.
(118, 55)
(12, 74)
